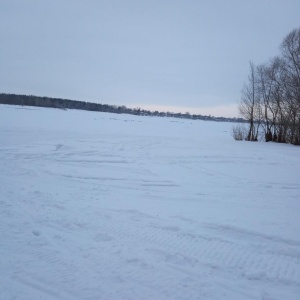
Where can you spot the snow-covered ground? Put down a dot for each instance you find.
(105, 206)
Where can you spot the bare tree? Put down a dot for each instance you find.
(271, 96)
(249, 106)
(290, 49)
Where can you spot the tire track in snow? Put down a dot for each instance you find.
(254, 263)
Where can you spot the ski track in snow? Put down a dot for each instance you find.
(146, 208)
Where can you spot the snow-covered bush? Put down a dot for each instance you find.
(238, 132)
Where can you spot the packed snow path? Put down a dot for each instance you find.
(103, 206)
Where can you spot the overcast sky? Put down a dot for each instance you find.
(161, 54)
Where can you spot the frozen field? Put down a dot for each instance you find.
(106, 206)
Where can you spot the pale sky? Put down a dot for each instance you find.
(161, 54)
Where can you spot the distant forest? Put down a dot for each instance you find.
(29, 100)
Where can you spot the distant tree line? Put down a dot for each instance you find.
(270, 100)
(26, 100)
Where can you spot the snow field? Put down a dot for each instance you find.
(106, 206)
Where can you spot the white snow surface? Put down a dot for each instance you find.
(105, 206)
